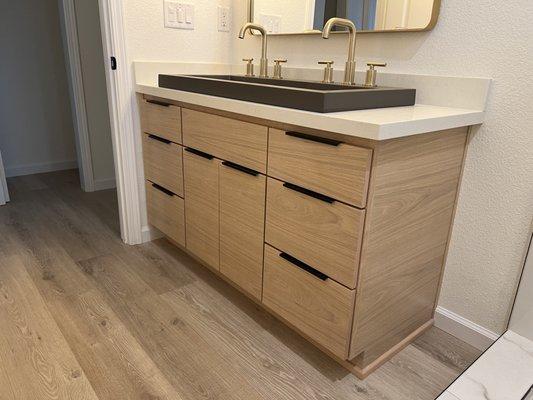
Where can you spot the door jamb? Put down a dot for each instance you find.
(69, 32)
(121, 95)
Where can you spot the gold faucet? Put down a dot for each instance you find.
(349, 72)
(263, 64)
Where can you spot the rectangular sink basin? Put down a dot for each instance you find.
(302, 95)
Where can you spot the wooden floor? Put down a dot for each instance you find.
(83, 316)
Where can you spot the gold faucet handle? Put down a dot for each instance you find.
(249, 66)
(277, 68)
(372, 65)
(279, 61)
(328, 71)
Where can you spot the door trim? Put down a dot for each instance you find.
(69, 31)
(4, 194)
(121, 95)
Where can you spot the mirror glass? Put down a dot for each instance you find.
(309, 16)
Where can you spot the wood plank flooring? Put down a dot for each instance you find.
(83, 316)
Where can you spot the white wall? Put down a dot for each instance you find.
(93, 73)
(483, 38)
(36, 130)
(522, 317)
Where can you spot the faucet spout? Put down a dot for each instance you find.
(349, 73)
(263, 66)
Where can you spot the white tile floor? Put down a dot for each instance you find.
(504, 372)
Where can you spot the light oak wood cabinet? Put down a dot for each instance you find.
(202, 206)
(344, 239)
(242, 226)
(163, 163)
(161, 118)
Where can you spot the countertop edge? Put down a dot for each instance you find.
(328, 122)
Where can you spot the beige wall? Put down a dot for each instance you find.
(496, 198)
(93, 73)
(36, 129)
(522, 317)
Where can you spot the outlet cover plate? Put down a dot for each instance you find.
(223, 19)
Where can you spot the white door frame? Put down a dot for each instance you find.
(69, 32)
(4, 194)
(121, 95)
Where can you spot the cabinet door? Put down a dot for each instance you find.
(202, 205)
(242, 221)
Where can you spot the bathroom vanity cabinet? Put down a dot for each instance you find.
(342, 238)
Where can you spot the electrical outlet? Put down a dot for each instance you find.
(179, 15)
(223, 19)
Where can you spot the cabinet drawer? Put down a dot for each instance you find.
(242, 227)
(166, 212)
(161, 119)
(163, 163)
(335, 169)
(240, 142)
(321, 309)
(322, 234)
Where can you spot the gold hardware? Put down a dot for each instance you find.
(277, 68)
(349, 72)
(263, 63)
(249, 66)
(372, 73)
(328, 71)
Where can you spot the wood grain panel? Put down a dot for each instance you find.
(166, 213)
(163, 164)
(321, 309)
(242, 228)
(237, 141)
(409, 215)
(202, 207)
(161, 120)
(341, 171)
(325, 236)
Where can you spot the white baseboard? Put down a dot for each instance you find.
(149, 233)
(29, 169)
(464, 329)
(104, 184)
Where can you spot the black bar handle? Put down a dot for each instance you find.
(329, 142)
(158, 103)
(310, 193)
(159, 139)
(199, 153)
(304, 266)
(240, 168)
(162, 189)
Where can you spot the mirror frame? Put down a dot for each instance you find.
(433, 21)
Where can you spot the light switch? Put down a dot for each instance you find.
(179, 15)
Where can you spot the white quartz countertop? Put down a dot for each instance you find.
(445, 103)
(376, 124)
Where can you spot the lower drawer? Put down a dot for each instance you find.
(319, 307)
(166, 212)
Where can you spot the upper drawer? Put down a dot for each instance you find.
(317, 231)
(240, 142)
(332, 168)
(163, 163)
(319, 307)
(161, 119)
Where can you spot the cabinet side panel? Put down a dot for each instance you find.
(411, 203)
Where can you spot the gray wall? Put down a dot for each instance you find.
(35, 118)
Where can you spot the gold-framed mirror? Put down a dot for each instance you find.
(304, 17)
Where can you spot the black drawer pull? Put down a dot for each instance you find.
(312, 138)
(162, 189)
(199, 153)
(158, 103)
(159, 139)
(240, 168)
(304, 266)
(310, 193)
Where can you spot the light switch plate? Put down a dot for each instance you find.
(179, 15)
(223, 19)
